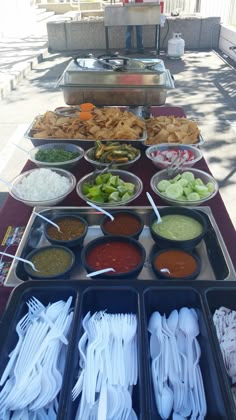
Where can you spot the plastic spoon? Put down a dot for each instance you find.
(47, 220)
(159, 220)
(8, 184)
(20, 259)
(104, 270)
(100, 209)
(21, 148)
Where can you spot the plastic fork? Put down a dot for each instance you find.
(20, 330)
(37, 310)
(78, 386)
(129, 329)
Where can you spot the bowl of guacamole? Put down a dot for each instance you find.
(180, 228)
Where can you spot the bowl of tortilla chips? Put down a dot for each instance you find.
(172, 130)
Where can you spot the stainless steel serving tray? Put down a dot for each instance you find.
(87, 72)
(216, 262)
(81, 142)
(104, 88)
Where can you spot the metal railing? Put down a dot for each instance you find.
(225, 9)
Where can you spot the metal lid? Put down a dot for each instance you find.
(114, 71)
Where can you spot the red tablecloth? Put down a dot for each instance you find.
(14, 213)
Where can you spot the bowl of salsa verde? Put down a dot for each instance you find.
(52, 262)
(126, 223)
(180, 228)
(124, 254)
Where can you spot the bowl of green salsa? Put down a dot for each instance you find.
(181, 227)
(56, 155)
(52, 262)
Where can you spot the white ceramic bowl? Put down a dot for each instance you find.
(47, 202)
(204, 176)
(89, 156)
(124, 175)
(155, 149)
(68, 164)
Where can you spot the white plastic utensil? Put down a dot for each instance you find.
(20, 259)
(104, 270)
(159, 220)
(8, 184)
(47, 220)
(100, 209)
(21, 148)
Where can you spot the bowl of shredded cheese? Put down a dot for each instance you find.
(42, 186)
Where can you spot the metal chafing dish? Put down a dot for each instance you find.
(115, 80)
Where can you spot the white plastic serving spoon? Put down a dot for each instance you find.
(20, 259)
(47, 220)
(21, 148)
(104, 270)
(100, 209)
(159, 220)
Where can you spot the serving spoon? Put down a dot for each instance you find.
(21, 148)
(20, 259)
(47, 220)
(96, 273)
(100, 209)
(159, 220)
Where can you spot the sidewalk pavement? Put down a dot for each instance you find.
(23, 44)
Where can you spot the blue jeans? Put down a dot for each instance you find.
(139, 37)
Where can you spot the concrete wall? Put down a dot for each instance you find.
(228, 41)
(198, 33)
(60, 8)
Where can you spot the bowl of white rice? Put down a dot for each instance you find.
(42, 186)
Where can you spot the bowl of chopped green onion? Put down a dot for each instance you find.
(57, 155)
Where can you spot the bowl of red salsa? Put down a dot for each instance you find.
(176, 264)
(125, 223)
(122, 253)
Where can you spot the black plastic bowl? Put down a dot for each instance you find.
(192, 275)
(172, 243)
(76, 241)
(57, 274)
(122, 227)
(104, 240)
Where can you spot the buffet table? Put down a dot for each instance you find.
(15, 214)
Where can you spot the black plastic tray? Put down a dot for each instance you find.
(142, 298)
(215, 298)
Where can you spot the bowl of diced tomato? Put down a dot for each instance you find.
(164, 155)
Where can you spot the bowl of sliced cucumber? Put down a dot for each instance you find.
(185, 188)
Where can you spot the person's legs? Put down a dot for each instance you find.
(139, 37)
(128, 37)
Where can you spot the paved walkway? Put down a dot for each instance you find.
(21, 46)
